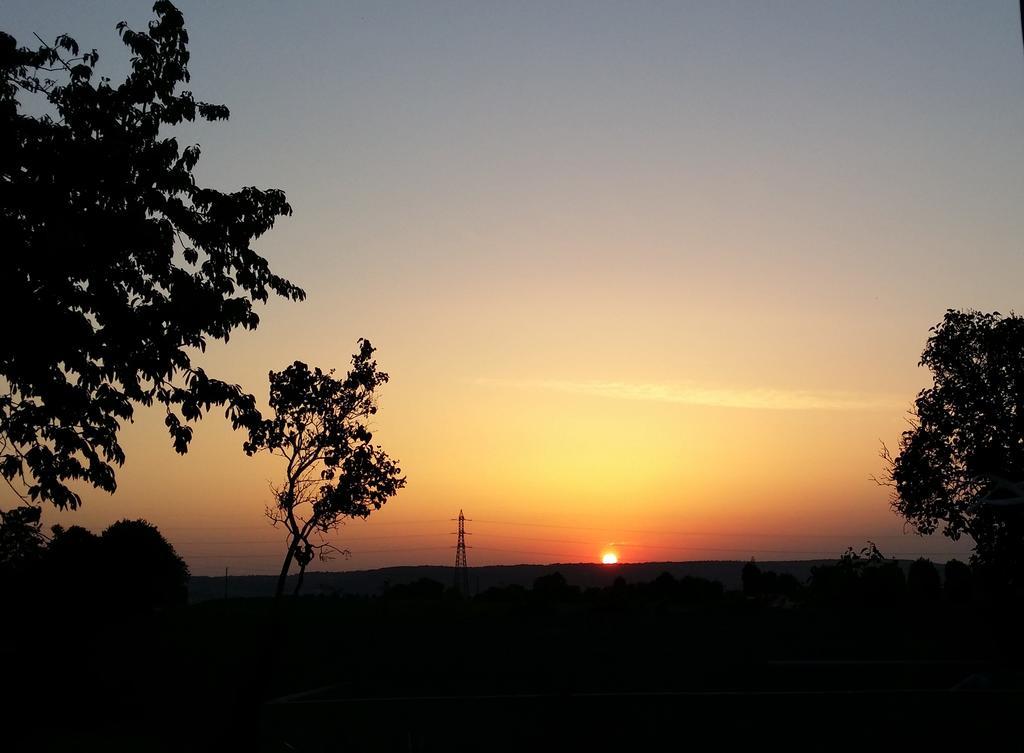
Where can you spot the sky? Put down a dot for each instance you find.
(650, 278)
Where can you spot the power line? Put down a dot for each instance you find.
(528, 538)
(215, 542)
(228, 526)
(270, 555)
(739, 535)
(606, 528)
(695, 532)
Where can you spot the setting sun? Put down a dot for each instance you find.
(609, 558)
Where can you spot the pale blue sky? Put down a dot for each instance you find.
(673, 198)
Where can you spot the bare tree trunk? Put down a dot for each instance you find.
(298, 583)
(282, 579)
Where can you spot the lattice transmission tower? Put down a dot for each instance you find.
(461, 566)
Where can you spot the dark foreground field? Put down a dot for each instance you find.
(334, 674)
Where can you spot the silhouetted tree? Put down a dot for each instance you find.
(768, 583)
(923, 581)
(141, 569)
(70, 544)
(787, 585)
(118, 265)
(553, 587)
(552, 582)
(334, 471)
(74, 564)
(864, 576)
(751, 579)
(968, 431)
(665, 585)
(958, 582)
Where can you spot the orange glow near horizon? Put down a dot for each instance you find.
(609, 558)
(546, 477)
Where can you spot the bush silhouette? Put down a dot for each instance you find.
(883, 584)
(864, 577)
(923, 582)
(141, 569)
(553, 587)
(73, 566)
(959, 582)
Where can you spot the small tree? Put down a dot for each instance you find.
(143, 571)
(334, 471)
(117, 266)
(751, 579)
(74, 570)
(967, 431)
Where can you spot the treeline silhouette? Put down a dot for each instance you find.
(129, 567)
(857, 578)
(867, 578)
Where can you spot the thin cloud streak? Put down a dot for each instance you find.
(684, 393)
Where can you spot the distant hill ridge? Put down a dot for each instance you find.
(584, 574)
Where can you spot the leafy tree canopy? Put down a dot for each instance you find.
(967, 433)
(21, 538)
(143, 570)
(117, 265)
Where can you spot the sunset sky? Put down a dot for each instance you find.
(650, 278)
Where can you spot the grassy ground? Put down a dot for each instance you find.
(198, 678)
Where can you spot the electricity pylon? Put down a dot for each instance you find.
(461, 566)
